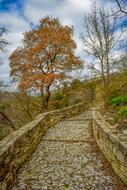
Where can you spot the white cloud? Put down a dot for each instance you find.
(69, 12)
(34, 14)
(65, 10)
(81, 4)
(79, 43)
(13, 21)
(4, 68)
(15, 25)
(67, 21)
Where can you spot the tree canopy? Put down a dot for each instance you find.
(47, 53)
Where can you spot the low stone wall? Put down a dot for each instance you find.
(112, 143)
(18, 146)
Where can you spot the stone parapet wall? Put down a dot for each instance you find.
(16, 148)
(112, 143)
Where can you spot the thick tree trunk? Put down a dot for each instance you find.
(42, 98)
(46, 97)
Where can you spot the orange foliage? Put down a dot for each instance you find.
(46, 54)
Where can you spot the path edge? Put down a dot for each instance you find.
(16, 148)
(112, 143)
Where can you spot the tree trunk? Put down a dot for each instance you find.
(47, 97)
(102, 74)
(107, 69)
(42, 98)
(104, 86)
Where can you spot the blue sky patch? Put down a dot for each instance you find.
(6, 5)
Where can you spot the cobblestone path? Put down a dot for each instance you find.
(68, 159)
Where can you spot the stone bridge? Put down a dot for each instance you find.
(67, 157)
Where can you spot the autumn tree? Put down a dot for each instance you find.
(47, 54)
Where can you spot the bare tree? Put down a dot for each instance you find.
(4, 118)
(28, 103)
(120, 10)
(3, 41)
(120, 6)
(99, 39)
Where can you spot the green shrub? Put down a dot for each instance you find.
(122, 113)
(118, 101)
(58, 96)
(59, 101)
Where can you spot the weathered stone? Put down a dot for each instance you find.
(65, 158)
(125, 132)
(114, 147)
(68, 159)
(120, 156)
(18, 146)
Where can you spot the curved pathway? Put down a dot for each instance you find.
(68, 159)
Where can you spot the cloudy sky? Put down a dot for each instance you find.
(17, 16)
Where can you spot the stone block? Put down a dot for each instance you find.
(16, 148)
(113, 146)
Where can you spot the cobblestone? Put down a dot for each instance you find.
(68, 159)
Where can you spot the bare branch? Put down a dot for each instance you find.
(99, 39)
